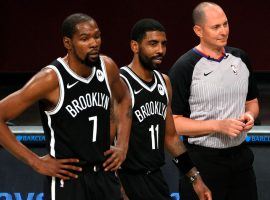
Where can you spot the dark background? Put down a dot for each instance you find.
(31, 39)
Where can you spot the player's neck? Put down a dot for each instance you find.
(77, 67)
(140, 71)
(213, 52)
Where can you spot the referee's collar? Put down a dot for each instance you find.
(210, 58)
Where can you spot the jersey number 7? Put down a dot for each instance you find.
(94, 134)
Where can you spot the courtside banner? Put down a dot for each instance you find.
(34, 135)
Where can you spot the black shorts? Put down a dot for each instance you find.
(228, 173)
(90, 185)
(144, 186)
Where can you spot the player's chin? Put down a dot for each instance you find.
(156, 64)
(153, 67)
(93, 57)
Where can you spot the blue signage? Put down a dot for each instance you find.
(21, 196)
(256, 139)
(31, 138)
(175, 196)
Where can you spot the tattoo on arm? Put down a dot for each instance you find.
(129, 113)
(112, 114)
(177, 147)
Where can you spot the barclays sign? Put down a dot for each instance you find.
(21, 196)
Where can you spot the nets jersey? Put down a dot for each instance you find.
(146, 145)
(78, 127)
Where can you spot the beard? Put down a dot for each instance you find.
(88, 60)
(91, 62)
(146, 62)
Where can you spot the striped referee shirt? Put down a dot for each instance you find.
(212, 89)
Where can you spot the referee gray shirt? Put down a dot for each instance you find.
(212, 89)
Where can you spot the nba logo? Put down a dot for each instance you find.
(234, 69)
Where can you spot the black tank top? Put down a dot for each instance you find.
(79, 125)
(146, 145)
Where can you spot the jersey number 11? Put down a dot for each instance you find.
(154, 136)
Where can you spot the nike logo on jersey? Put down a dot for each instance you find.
(138, 91)
(206, 74)
(71, 85)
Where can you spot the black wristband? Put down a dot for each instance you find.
(183, 162)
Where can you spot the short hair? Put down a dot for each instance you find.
(144, 25)
(69, 24)
(198, 13)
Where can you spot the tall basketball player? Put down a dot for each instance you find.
(152, 125)
(74, 93)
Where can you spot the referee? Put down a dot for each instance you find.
(214, 104)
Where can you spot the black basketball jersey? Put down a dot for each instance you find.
(79, 125)
(146, 145)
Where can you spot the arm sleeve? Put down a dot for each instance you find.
(180, 77)
(252, 85)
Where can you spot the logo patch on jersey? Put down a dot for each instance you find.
(161, 90)
(234, 68)
(71, 85)
(137, 91)
(100, 75)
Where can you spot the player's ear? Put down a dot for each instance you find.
(67, 42)
(134, 46)
(198, 30)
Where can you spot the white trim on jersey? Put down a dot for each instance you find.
(53, 188)
(163, 83)
(150, 89)
(105, 74)
(130, 89)
(76, 76)
(61, 89)
(52, 151)
(52, 142)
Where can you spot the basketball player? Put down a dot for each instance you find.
(74, 93)
(152, 125)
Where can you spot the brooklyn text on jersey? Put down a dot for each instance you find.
(87, 101)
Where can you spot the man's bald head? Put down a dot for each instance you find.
(198, 13)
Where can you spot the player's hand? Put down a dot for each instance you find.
(248, 119)
(116, 157)
(59, 168)
(230, 127)
(201, 189)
